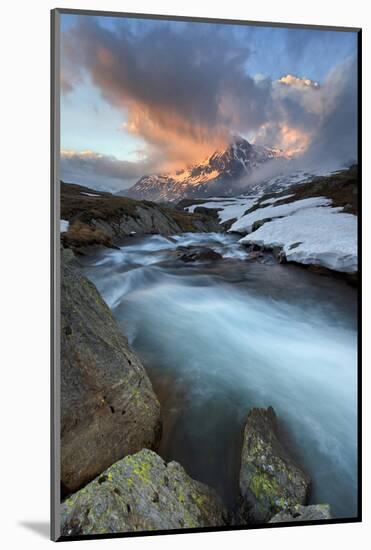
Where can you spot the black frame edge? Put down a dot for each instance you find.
(197, 19)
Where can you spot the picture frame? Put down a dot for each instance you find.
(56, 282)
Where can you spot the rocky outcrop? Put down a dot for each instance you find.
(141, 493)
(108, 407)
(270, 480)
(103, 218)
(81, 235)
(150, 218)
(197, 254)
(313, 512)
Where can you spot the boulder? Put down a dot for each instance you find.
(314, 512)
(108, 407)
(197, 254)
(270, 480)
(141, 492)
(80, 235)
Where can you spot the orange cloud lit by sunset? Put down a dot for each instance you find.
(160, 97)
(181, 141)
(294, 141)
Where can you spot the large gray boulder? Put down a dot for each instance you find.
(108, 407)
(270, 480)
(141, 493)
(314, 512)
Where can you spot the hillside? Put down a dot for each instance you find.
(90, 217)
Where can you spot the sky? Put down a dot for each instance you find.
(154, 96)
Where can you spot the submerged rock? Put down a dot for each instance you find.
(270, 480)
(141, 493)
(197, 254)
(303, 513)
(108, 407)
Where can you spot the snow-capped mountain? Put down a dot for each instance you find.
(219, 174)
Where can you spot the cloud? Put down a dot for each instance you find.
(181, 87)
(184, 89)
(291, 80)
(335, 138)
(296, 107)
(315, 121)
(100, 171)
(293, 140)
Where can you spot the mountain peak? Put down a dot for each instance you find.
(218, 174)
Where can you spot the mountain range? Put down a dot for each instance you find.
(220, 174)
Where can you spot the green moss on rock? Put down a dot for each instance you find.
(270, 479)
(131, 496)
(314, 512)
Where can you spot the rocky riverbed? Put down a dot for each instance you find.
(177, 341)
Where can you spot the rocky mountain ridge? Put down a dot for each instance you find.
(217, 174)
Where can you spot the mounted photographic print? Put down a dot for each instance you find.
(205, 178)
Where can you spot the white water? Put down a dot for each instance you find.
(219, 338)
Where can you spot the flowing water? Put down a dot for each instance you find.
(221, 337)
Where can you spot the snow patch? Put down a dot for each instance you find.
(245, 223)
(229, 209)
(320, 235)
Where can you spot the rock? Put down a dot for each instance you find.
(184, 203)
(80, 235)
(141, 493)
(108, 407)
(256, 255)
(100, 219)
(270, 480)
(259, 223)
(208, 211)
(252, 247)
(197, 253)
(303, 513)
(279, 254)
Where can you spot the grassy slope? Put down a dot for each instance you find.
(341, 187)
(81, 210)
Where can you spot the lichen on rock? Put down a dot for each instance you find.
(314, 512)
(270, 480)
(141, 492)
